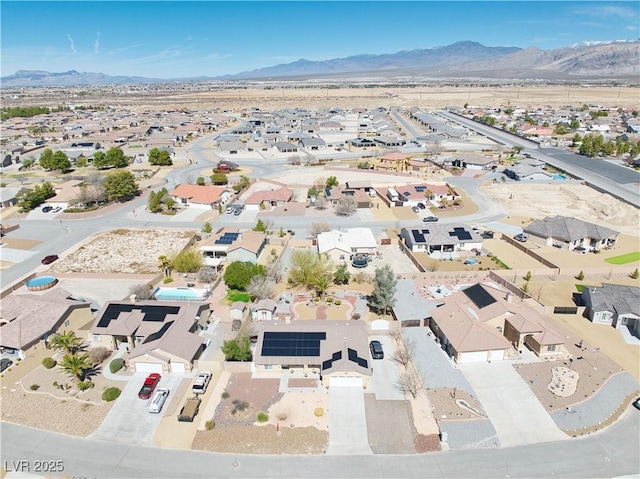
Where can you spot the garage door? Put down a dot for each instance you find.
(178, 367)
(148, 368)
(472, 357)
(497, 355)
(338, 382)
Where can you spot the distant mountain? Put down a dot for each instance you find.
(455, 54)
(461, 60)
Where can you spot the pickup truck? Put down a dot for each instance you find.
(201, 383)
(189, 410)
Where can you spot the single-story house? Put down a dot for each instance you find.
(264, 310)
(8, 195)
(337, 352)
(200, 196)
(360, 198)
(285, 147)
(527, 169)
(361, 142)
(443, 238)
(268, 198)
(27, 320)
(161, 336)
(486, 323)
(614, 305)
(231, 244)
(569, 233)
(411, 195)
(474, 162)
(313, 143)
(340, 245)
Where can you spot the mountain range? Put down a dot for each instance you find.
(589, 60)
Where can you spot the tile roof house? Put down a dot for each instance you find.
(360, 198)
(231, 244)
(569, 233)
(200, 196)
(340, 245)
(486, 323)
(613, 304)
(443, 238)
(394, 161)
(334, 352)
(27, 320)
(161, 336)
(271, 198)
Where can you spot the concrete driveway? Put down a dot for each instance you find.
(347, 422)
(514, 410)
(129, 421)
(385, 373)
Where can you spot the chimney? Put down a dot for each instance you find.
(509, 297)
(133, 298)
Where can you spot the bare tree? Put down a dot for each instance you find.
(294, 160)
(261, 287)
(207, 274)
(401, 356)
(320, 183)
(143, 292)
(345, 207)
(396, 334)
(317, 228)
(410, 383)
(321, 202)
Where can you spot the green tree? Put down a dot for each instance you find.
(155, 200)
(576, 139)
(574, 124)
(45, 159)
(241, 184)
(560, 129)
(100, 160)
(238, 274)
(81, 161)
(342, 274)
(609, 148)
(322, 283)
(160, 157)
(306, 266)
(260, 226)
(238, 349)
(382, 298)
(164, 263)
(55, 161)
(116, 158)
(219, 179)
(32, 198)
(76, 365)
(331, 182)
(187, 261)
(207, 228)
(200, 181)
(120, 185)
(66, 341)
(313, 191)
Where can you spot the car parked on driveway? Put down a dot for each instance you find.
(46, 209)
(415, 209)
(201, 383)
(159, 398)
(430, 219)
(4, 364)
(49, 259)
(149, 385)
(376, 350)
(57, 209)
(521, 237)
(421, 206)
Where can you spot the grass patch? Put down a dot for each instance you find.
(624, 258)
(233, 296)
(579, 288)
(498, 262)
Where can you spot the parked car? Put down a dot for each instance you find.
(49, 259)
(159, 398)
(149, 385)
(57, 209)
(201, 383)
(430, 219)
(4, 364)
(580, 249)
(520, 237)
(421, 206)
(376, 350)
(237, 211)
(415, 209)
(230, 210)
(487, 235)
(636, 403)
(46, 209)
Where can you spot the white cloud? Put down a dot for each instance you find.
(607, 11)
(96, 44)
(72, 44)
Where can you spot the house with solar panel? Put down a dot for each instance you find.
(426, 193)
(360, 198)
(486, 323)
(442, 238)
(230, 244)
(161, 336)
(569, 233)
(335, 353)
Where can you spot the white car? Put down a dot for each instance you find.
(159, 398)
(201, 383)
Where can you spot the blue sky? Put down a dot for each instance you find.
(185, 39)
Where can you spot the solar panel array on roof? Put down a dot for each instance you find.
(420, 189)
(461, 233)
(151, 313)
(276, 343)
(227, 238)
(353, 357)
(418, 237)
(327, 192)
(329, 362)
(479, 296)
(158, 334)
(406, 193)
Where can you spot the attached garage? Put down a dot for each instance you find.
(178, 367)
(480, 356)
(141, 367)
(346, 382)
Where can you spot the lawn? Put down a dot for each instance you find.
(234, 295)
(624, 258)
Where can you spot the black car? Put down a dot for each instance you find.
(430, 219)
(421, 206)
(4, 364)
(376, 350)
(636, 403)
(46, 209)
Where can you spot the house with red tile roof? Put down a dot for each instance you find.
(200, 196)
(268, 199)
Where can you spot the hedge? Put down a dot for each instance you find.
(48, 363)
(116, 365)
(111, 394)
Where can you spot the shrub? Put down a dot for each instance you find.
(262, 417)
(580, 276)
(337, 302)
(318, 412)
(355, 316)
(330, 299)
(49, 363)
(167, 280)
(239, 406)
(84, 385)
(635, 274)
(282, 416)
(527, 277)
(225, 395)
(111, 394)
(97, 355)
(116, 365)
(209, 425)
(34, 387)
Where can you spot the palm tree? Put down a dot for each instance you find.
(322, 284)
(164, 263)
(67, 341)
(76, 365)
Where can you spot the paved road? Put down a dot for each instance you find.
(610, 453)
(516, 413)
(347, 422)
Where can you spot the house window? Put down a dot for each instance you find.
(66, 323)
(268, 367)
(97, 337)
(551, 348)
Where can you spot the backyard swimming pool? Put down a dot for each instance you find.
(180, 294)
(556, 176)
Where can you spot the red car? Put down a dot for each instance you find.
(49, 259)
(149, 385)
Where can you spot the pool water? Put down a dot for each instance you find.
(556, 176)
(41, 283)
(180, 294)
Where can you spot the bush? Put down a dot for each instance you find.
(337, 302)
(635, 274)
(34, 387)
(49, 363)
(239, 406)
(330, 300)
(580, 276)
(209, 425)
(84, 385)
(225, 395)
(167, 280)
(355, 316)
(116, 365)
(97, 355)
(262, 417)
(111, 394)
(318, 412)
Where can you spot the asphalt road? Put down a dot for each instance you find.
(610, 453)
